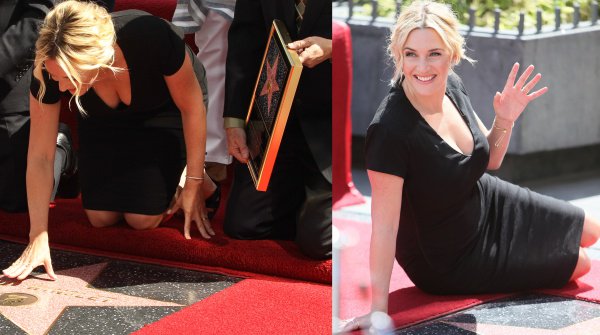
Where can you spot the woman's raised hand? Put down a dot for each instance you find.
(37, 253)
(509, 104)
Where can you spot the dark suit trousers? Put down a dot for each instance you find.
(14, 139)
(297, 204)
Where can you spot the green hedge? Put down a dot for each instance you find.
(509, 18)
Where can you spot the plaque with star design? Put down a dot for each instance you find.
(271, 103)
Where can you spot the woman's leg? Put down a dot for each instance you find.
(591, 231)
(583, 265)
(142, 221)
(589, 236)
(100, 219)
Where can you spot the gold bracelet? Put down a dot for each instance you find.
(194, 178)
(504, 131)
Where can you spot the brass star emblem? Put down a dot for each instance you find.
(270, 86)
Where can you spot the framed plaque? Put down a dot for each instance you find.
(270, 104)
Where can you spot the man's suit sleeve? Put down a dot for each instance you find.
(247, 40)
(18, 41)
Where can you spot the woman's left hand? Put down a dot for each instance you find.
(515, 96)
(191, 201)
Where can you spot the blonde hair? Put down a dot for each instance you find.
(80, 36)
(426, 14)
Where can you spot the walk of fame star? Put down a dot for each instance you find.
(70, 289)
(270, 86)
(585, 327)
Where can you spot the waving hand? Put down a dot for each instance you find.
(515, 96)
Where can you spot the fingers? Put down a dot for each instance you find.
(19, 270)
(186, 227)
(203, 224)
(26, 271)
(236, 144)
(538, 93)
(49, 269)
(241, 154)
(209, 228)
(304, 57)
(201, 228)
(531, 84)
(510, 81)
(174, 209)
(240, 151)
(245, 153)
(311, 56)
(300, 44)
(524, 77)
(36, 253)
(237, 155)
(205, 228)
(15, 269)
(350, 325)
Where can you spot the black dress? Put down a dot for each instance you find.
(131, 157)
(462, 230)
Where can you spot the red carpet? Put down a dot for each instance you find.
(408, 304)
(69, 227)
(254, 306)
(260, 304)
(586, 288)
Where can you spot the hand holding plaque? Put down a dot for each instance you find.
(270, 104)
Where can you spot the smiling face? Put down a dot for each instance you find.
(64, 84)
(426, 62)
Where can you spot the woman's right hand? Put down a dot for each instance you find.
(37, 253)
(350, 325)
(191, 200)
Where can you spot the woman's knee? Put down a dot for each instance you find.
(101, 219)
(591, 231)
(143, 222)
(583, 265)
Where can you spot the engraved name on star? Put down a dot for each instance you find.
(70, 289)
(270, 86)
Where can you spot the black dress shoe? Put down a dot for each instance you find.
(68, 186)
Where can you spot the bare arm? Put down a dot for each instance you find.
(508, 106)
(40, 163)
(187, 95)
(385, 213)
(386, 203)
(40, 168)
(498, 138)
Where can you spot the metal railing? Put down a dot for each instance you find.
(349, 7)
